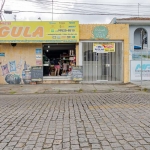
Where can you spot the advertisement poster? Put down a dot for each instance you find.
(103, 48)
(136, 70)
(38, 52)
(39, 32)
(39, 62)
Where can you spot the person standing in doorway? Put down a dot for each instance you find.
(57, 67)
(65, 67)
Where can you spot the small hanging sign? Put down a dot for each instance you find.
(2, 54)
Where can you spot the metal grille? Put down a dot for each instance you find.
(102, 66)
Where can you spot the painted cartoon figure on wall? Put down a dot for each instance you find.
(13, 75)
(12, 65)
(26, 74)
(5, 69)
(13, 79)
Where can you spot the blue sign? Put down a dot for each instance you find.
(2, 54)
(144, 66)
(38, 51)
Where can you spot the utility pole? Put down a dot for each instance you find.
(52, 10)
(3, 2)
(138, 9)
(141, 58)
(15, 17)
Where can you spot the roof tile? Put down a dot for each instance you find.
(134, 18)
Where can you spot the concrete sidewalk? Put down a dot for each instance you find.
(67, 88)
(145, 84)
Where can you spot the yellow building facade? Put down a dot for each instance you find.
(22, 46)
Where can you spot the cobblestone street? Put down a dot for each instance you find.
(107, 121)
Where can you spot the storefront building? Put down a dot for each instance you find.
(139, 48)
(100, 51)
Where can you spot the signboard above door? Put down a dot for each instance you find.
(39, 32)
(103, 47)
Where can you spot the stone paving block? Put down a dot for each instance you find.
(118, 148)
(147, 140)
(115, 145)
(140, 148)
(96, 146)
(147, 147)
(75, 121)
(46, 146)
(9, 148)
(104, 143)
(135, 144)
(107, 148)
(86, 148)
(20, 145)
(2, 145)
(74, 146)
(93, 141)
(128, 147)
(28, 147)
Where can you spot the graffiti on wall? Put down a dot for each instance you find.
(12, 65)
(13, 79)
(19, 65)
(26, 74)
(16, 74)
(5, 69)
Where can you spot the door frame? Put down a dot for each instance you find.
(104, 41)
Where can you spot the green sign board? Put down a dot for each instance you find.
(100, 32)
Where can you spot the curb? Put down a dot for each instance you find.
(76, 92)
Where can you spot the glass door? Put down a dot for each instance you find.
(102, 66)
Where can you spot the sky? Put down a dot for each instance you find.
(126, 8)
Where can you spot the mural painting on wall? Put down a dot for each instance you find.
(26, 74)
(5, 69)
(12, 65)
(19, 65)
(13, 79)
(12, 73)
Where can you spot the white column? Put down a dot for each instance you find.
(80, 54)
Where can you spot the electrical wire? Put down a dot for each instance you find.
(82, 3)
(88, 9)
(82, 10)
(77, 13)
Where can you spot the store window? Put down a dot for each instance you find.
(58, 59)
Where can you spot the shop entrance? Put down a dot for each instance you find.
(102, 66)
(58, 60)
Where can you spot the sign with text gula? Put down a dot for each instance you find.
(39, 32)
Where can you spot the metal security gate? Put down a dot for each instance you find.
(102, 66)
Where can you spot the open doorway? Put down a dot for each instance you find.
(58, 59)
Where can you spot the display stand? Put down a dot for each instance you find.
(36, 74)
